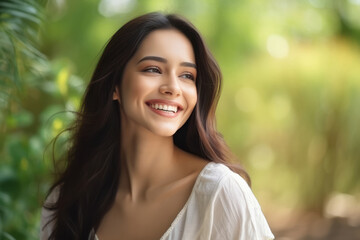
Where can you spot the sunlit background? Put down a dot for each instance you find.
(290, 104)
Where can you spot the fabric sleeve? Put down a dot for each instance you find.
(46, 223)
(236, 212)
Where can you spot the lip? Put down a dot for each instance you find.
(166, 102)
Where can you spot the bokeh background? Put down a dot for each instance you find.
(290, 104)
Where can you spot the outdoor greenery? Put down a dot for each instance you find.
(289, 108)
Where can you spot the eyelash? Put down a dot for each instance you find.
(189, 76)
(157, 70)
(152, 70)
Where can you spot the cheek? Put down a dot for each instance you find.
(191, 95)
(135, 87)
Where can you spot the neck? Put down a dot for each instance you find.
(146, 159)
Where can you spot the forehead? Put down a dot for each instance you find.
(168, 43)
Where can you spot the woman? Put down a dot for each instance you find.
(146, 161)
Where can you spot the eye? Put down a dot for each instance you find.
(152, 70)
(188, 76)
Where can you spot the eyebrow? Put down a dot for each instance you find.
(163, 60)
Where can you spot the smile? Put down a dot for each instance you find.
(164, 107)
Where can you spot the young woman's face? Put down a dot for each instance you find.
(158, 90)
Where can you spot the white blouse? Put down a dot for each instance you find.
(221, 206)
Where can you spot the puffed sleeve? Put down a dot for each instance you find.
(46, 225)
(236, 214)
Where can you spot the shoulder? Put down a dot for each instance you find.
(216, 176)
(232, 209)
(52, 197)
(47, 215)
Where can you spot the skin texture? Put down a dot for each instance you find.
(156, 177)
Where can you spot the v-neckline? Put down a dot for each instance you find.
(181, 212)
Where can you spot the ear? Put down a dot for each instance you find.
(116, 95)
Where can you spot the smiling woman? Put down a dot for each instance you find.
(146, 161)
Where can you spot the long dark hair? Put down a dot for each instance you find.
(88, 184)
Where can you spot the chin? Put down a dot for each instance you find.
(164, 132)
(168, 133)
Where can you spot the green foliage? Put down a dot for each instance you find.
(19, 22)
(296, 122)
(19, 59)
(29, 98)
(289, 105)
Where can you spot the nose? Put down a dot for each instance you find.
(170, 87)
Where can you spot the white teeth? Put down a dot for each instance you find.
(167, 108)
(174, 108)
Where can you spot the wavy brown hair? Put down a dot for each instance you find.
(88, 183)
